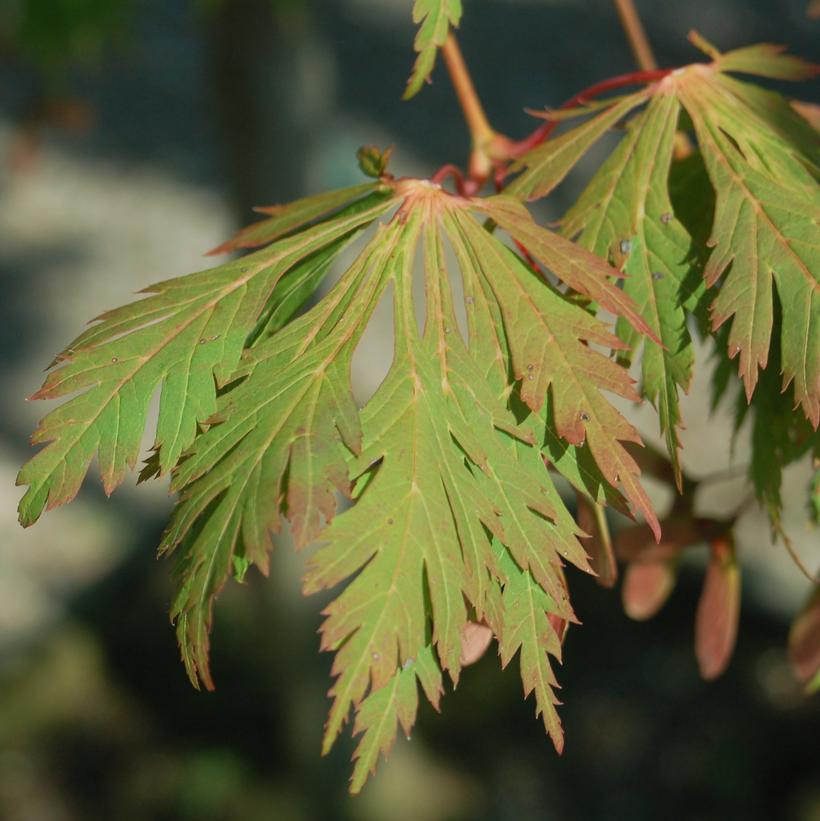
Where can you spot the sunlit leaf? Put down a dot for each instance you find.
(455, 520)
(187, 339)
(626, 215)
(434, 18)
(548, 164)
(761, 157)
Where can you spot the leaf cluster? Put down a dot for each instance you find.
(452, 515)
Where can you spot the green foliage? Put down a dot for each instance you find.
(626, 214)
(761, 159)
(435, 18)
(187, 337)
(453, 516)
(56, 33)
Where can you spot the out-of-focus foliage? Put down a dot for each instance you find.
(55, 34)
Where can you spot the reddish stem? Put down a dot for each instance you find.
(468, 186)
(528, 257)
(541, 133)
(638, 41)
(449, 170)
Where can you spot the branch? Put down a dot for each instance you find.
(540, 135)
(482, 159)
(645, 58)
(636, 35)
(480, 129)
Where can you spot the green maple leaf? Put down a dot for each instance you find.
(779, 437)
(285, 219)
(527, 630)
(455, 515)
(442, 468)
(187, 337)
(448, 476)
(626, 215)
(534, 314)
(280, 440)
(435, 18)
(766, 220)
(394, 704)
(546, 166)
(762, 159)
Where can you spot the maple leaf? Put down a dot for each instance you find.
(626, 215)
(285, 219)
(448, 476)
(547, 335)
(546, 166)
(455, 516)
(766, 218)
(278, 440)
(187, 337)
(526, 628)
(441, 465)
(779, 437)
(454, 519)
(395, 703)
(761, 158)
(436, 17)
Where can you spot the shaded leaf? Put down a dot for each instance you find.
(591, 518)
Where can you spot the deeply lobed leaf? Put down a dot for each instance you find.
(626, 215)
(764, 235)
(435, 18)
(762, 159)
(448, 482)
(186, 338)
(455, 516)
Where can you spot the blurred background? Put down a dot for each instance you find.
(136, 134)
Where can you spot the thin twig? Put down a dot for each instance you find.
(517, 149)
(449, 170)
(480, 129)
(790, 549)
(638, 41)
(645, 58)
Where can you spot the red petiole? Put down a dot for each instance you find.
(507, 150)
